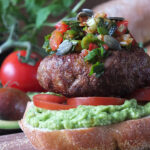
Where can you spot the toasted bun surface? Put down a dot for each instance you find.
(127, 135)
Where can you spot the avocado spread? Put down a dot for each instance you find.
(85, 116)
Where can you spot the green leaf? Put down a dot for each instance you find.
(4, 5)
(14, 2)
(68, 3)
(102, 30)
(9, 20)
(42, 16)
(92, 56)
(57, 9)
(102, 51)
(46, 44)
(97, 68)
(30, 5)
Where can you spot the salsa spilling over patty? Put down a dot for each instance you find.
(93, 55)
(91, 36)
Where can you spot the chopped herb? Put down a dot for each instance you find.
(102, 30)
(97, 68)
(106, 27)
(96, 55)
(46, 44)
(74, 25)
(102, 51)
(93, 56)
(89, 38)
(70, 34)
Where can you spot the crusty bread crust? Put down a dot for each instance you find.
(128, 135)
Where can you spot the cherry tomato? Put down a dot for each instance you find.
(142, 94)
(20, 75)
(50, 102)
(56, 39)
(95, 101)
(122, 27)
(62, 27)
(92, 46)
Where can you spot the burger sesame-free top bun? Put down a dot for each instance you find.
(127, 135)
(137, 12)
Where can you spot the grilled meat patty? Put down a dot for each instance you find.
(125, 71)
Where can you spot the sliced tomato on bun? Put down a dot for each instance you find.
(142, 94)
(51, 102)
(95, 101)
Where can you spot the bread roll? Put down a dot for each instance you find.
(127, 135)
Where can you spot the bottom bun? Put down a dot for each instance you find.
(127, 135)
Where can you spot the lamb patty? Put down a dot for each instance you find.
(125, 71)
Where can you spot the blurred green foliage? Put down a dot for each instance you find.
(30, 16)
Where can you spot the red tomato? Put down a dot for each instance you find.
(142, 94)
(51, 98)
(95, 101)
(84, 52)
(92, 46)
(56, 39)
(50, 102)
(122, 27)
(20, 75)
(134, 41)
(62, 27)
(0, 75)
(105, 46)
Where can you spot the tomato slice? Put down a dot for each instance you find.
(50, 102)
(62, 27)
(56, 39)
(95, 101)
(142, 94)
(50, 98)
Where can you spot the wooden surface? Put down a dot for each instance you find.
(15, 142)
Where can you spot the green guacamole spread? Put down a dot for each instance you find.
(85, 116)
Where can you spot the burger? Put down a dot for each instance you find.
(97, 79)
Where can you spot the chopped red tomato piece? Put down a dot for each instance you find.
(122, 27)
(50, 102)
(105, 46)
(62, 27)
(92, 46)
(142, 94)
(134, 41)
(95, 101)
(84, 52)
(56, 39)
